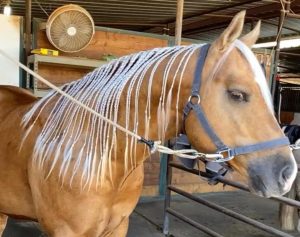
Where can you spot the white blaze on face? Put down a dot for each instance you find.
(259, 75)
(260, 78)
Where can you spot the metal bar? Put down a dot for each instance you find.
(193, 223)
(213, 24)
(167, 197)
(290, 88)
(284, 77)
(288, 53)
(28, 28)
(235, 184)
(231, 213)
(228, 16)
(116, 13)
(163, 173)
(136, 4)
(179, 17)
(290, 69)
(285, 27)
(67, 61)
(206, 175)
(129, 24)
(292, 15)
(196, 16)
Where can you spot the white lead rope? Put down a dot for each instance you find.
(190, 153)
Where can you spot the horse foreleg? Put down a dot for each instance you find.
(3, 221)
(287, 213)
(121, 230)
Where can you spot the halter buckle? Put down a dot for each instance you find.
(226, 155)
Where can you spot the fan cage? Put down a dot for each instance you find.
(70, 28)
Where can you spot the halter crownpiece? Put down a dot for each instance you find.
(222, 149)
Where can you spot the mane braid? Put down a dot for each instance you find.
(69, 125)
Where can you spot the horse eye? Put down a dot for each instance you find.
(238, 96)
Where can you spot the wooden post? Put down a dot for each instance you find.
(277, 51)
(28, 28)
(179, 17)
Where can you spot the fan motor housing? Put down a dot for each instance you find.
(70, 28)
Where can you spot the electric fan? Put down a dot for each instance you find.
(70, 28)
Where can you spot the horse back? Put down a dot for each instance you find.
(15, 95)
(12, 97)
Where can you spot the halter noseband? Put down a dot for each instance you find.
(222, 149)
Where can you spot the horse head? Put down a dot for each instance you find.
(236, 101)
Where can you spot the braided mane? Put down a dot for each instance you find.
(69, 125)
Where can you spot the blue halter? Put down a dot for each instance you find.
(221, 147)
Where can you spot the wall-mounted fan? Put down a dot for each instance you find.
(70, 28)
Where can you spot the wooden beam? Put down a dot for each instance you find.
(179, 17)
(195, 17)
(217, 23)
(28, 28)
(262, 12)
(292, 15)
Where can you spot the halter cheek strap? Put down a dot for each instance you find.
(229, 152)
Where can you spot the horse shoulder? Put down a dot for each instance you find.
(14, 102)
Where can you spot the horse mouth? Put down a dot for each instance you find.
(263, 191)
(259, 188)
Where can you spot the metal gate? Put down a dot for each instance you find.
(169, 211)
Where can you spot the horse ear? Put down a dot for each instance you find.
(232, 32)
(250, 38)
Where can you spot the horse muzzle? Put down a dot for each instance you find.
(272, 176)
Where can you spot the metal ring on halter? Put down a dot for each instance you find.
(197, 96)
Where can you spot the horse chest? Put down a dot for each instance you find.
(127, 197)
(130, 189)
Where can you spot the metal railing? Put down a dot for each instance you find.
(169, 211)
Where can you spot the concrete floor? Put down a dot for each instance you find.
(147, 219)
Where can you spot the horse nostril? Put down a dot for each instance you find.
(285, 174)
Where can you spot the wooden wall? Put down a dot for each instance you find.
(107, 43)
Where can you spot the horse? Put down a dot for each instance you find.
(80, 176)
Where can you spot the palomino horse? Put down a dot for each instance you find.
(80, 177)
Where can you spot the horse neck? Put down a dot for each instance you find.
(159, 115)
(144, 93)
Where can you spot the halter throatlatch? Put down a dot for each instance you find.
(226, 153)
